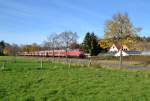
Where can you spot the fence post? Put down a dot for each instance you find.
(49, 60)
(69, 63)
(89, 62)
(41, 63)
(3, 66)
(14, 59)
(53, 59)
(120, 64)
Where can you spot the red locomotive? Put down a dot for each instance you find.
(55, 53)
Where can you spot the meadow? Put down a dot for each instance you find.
(25, 80)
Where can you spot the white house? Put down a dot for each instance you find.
(116, 47)
(123, 53)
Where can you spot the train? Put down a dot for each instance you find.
(55, 53)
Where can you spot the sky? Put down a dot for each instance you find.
(32, 21)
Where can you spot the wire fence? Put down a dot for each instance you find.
(106, 63)
(79, 62)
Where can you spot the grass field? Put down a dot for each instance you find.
(26, 81)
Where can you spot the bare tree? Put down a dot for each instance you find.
(61, 41)
(67, 38)
(74, 45)
(52, 41)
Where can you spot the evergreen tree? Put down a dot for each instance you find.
(90, 44)
(95, 49)
(87, 43)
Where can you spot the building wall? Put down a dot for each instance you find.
(113, 48)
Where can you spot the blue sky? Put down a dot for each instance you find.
(28, 21)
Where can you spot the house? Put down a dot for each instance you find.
(116, 47)
(125, 48)
(127, 53)
(115, 50)
(123, 53)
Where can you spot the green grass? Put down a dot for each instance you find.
(26, 81)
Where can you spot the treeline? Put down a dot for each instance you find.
(91, 44)
(118, 29)
(12, 49)
(146, 39)
(64, 40)
(8, 49)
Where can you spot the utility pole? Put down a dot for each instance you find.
(120, 65)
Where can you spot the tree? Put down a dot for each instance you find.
(2, 46)
(7, 51)
(90, 44)
(52, 41)
(67, 38)
(74, 45)
(95, 49)
(104, 44)
(31, 47)
(14, 49)
(118, 28)
(87, 42)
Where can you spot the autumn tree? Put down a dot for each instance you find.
(30, 47)
(104, 44)
(119, 28)
(7, 49)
